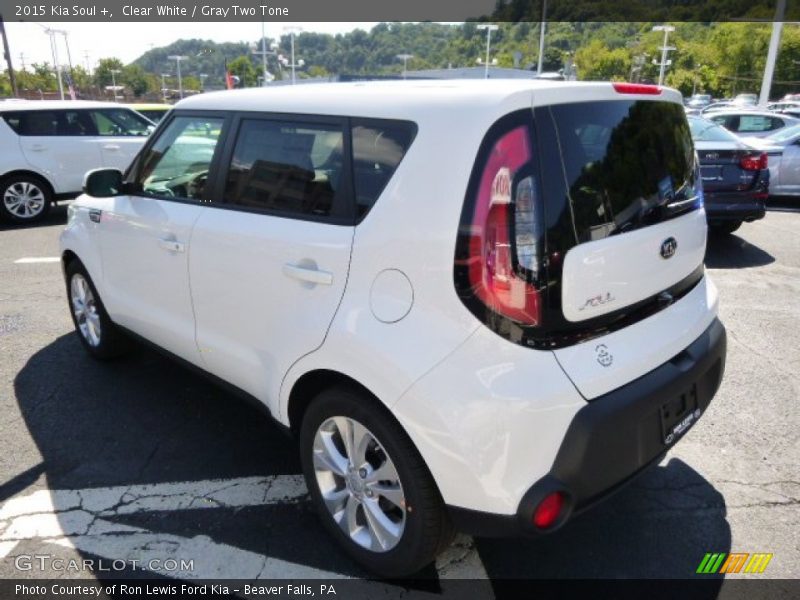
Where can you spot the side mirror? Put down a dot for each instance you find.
(103, 183)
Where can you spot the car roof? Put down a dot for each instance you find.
(396, 98)
(749, 113)
(55, 105)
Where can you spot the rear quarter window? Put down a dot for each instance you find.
(378, 148)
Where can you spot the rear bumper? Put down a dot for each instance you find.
(613, 438)
(734, 208)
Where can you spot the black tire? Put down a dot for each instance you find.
(428, 529)
(725, 227)
(38, 198)
(110, 341)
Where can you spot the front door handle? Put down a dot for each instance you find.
(171, 245)
(111, 147)
(309, 274)
(38, 148)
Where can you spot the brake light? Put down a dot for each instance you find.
(754, 163)
(503, 220)
(636, 88)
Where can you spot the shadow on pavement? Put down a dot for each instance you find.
(56, 216)
(113, 430)
(732, 252)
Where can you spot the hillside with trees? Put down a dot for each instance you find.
(721, 59)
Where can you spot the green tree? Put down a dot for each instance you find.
(242, 67)
(102, 74)
(135, 79)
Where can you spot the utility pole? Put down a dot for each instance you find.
(7, 54)
(772, 53)
(164, 86)
(292, 31)
(667, 29)
(489, 29)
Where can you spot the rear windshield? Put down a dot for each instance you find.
(708, 131)
(625, 164)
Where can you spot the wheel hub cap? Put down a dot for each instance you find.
(359, 484)
(24, 200)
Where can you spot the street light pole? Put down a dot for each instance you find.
(667, 29)
(542, 28)
(405, 58)
(772, 53)
(489, 29)
(164, 86)
(114, 82)
(177, 58)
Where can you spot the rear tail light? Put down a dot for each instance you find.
(548, 511)
(502, 248)
(754, 163)
(636, 88)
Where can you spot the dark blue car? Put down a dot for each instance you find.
(735, 176)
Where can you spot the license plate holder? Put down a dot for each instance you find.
(678, 415)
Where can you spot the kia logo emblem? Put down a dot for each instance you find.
(668, 247)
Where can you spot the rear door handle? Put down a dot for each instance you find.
(38, 148)
(111, 147)
(309, 274)
(171, 245)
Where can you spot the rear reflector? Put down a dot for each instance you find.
(754, 163)
(548, 511)
(636, 88)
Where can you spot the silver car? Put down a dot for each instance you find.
(752, 123)
(783, 150)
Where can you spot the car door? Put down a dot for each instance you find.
(268, 265)
(146, 235)
(789, 169)
(121, 134)
(60, 145)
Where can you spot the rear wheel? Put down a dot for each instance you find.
(371, 488)
(725, 228)
(24, 198)
(98, 334)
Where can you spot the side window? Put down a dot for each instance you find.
(76, 123)
(177, 164)
(754, 123)
(378, 148)
(120, 122)
(50, 123)
(291, 168)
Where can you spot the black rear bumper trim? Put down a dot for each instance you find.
(613, 438)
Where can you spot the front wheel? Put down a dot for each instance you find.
(97, 332)
(370, 487)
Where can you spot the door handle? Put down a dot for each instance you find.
(38, 148)
(111, 147)
(309, 274)
(171, 245)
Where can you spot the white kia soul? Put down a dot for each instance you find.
(479, 305)
(47, 146)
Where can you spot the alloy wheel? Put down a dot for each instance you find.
(84, 307)
(359, 484)
(24, 200)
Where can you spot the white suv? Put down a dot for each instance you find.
(48, 146)
(478, 305)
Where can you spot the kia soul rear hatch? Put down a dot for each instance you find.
(583, 223)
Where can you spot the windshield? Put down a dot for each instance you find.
(625, 164)
(708, 131)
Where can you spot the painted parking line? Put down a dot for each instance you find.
(83, 520)
(30, 260)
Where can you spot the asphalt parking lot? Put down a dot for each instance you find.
(144, 461)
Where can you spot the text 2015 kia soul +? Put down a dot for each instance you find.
(478, 305)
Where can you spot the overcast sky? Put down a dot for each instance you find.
(128, 41)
